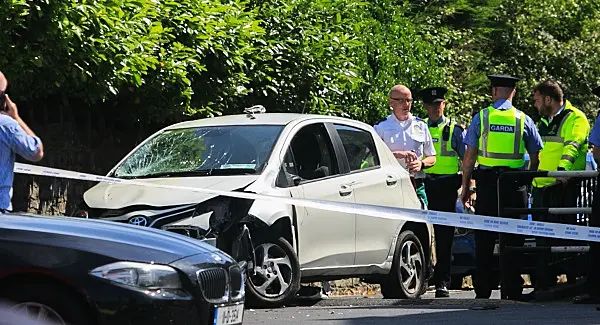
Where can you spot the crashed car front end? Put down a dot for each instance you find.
(221, 158)
(220, 221)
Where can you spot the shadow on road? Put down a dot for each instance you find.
(518, 314)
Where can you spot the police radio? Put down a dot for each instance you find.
(3, 104)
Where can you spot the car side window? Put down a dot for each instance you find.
(359, 146)
(309, 157)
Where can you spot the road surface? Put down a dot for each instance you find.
(459, 309)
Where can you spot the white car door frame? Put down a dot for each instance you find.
(379, 185)
(326, 239)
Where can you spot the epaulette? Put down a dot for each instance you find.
(382, 120)
(421, 120)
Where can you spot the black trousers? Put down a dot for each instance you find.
(442, 192)
(514, 194)
(592, 282)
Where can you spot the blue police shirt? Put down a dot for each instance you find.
(595, 133)
(531, 136)
(457, 142)
(13, 140)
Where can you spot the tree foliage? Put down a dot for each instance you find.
(163, 61)
(556, 39)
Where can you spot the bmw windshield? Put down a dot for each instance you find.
(202, 151)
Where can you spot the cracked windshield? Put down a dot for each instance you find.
(215, 150)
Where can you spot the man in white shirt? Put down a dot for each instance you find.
(408, 138)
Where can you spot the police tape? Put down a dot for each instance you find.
(462, 220)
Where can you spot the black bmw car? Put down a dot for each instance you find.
(82, 271)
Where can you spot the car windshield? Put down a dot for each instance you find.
(213, 150)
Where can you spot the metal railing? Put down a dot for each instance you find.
(569, 203)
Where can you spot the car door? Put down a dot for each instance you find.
(375, 183)
(311, 170)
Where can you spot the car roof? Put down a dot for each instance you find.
(259, 119)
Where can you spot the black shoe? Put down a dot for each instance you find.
(586, 299)
(442, 292)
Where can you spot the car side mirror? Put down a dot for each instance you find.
(296, 180)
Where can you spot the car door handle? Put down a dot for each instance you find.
(391, 180)
(345, 190)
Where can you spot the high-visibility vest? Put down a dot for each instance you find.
(501, 141)
(558, 135)
(446, 161)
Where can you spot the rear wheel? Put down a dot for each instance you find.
(407, 277)
(277, 274)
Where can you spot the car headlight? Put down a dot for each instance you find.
(142, 275)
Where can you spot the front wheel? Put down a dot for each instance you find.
(407, 277)
(276, 276)
(48, 302)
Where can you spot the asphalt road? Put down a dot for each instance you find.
(459, 309)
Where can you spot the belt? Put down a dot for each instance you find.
(497, 169)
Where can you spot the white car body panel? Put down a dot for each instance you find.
(117, 196)
(328, 242)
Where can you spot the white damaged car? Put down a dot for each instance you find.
(280, 245)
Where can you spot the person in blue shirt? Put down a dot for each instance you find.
(497, 139)
(15, 138)
(591, 294)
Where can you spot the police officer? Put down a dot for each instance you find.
(591, 292)
(564, 130)
(442, 181)
(408, 138)
(497, 139)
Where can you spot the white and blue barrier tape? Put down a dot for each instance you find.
(462, 220)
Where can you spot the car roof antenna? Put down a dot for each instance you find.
(250, 111)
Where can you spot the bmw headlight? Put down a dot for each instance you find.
(141, 275)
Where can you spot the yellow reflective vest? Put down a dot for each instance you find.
(501, 141)
(565, 141)
(446, 161)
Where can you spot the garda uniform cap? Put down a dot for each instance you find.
(498, 80)
(433, 94)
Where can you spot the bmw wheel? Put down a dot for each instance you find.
(47, 302)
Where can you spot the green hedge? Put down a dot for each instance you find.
(171, 60)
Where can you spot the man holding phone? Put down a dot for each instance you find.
(15, 138)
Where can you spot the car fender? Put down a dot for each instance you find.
(270, 213)
(430, 242)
